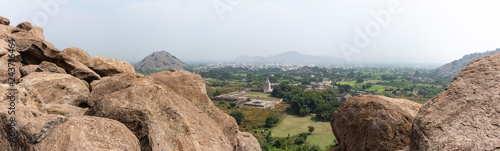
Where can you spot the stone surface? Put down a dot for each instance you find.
(85, 133)
(4, 69)
(110, 66)
(159, 117)
(79, 55)
(372, 122)
(4, 21)
(49, 67)
(34, 50)
(56, 88)
(65, 109)
(192, 87)
(246, 142)
(34, 30)
(27, 69)
(466, 115)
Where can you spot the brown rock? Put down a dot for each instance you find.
(27, 69)
(49, 67)
(5, 35)
(466, 115)
(58, 88)
(34, 30)
(37, 130)
(85, 133)
(34, 50)
(372, 122)
(4, 69)
(4, 21)
(159, 117)
(110, 66)
(65, 110)
(192, 87)
(79, 55)
(246, 142)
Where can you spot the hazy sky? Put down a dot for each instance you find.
(204, 30)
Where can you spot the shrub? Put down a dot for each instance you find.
(311, 128)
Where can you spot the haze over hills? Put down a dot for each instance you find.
(452, 68)
(297, 57)
(290, 57)
(160, 60)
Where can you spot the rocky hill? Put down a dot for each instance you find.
(452, 68)
(159, 61)
(67, 100)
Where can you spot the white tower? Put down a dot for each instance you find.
(267, 86)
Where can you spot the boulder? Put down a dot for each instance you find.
(79, 55)
(85, 133)
(34, 30)
(372, 122)
(110, 66)
(5, 35)
(466, 115)
(56, 88)
(4, 21)
(27, 69)
(247, 142)
(159, 117)
(34, 50)
(192, 87)
(36, 129)
(49, 67)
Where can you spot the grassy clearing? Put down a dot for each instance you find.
(294, 125)
(378, 88)
(254, 117)
(261, 95)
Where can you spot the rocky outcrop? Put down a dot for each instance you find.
(79, 55)
(56, 88)
(159, 61)
(34, 50)
(57, 109)
(466, 115)
(372, 122)
(34, 30)
(110, 66)
(4, 21)
(160, 117)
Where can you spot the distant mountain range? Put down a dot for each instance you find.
(290, 57)
(452, 68)
(158, 61)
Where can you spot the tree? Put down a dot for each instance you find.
(360, 80)
(311, 128)
(238, 116)
(270, 121)
(232, 104)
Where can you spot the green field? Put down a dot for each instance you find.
(294, 125)
(261, 95)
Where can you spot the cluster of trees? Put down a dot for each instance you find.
(343, 88)
(295, 143)
(238, 116)
(323, 103)
(270, 121)
(367, 85)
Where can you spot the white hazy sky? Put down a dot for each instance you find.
(437, 30)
